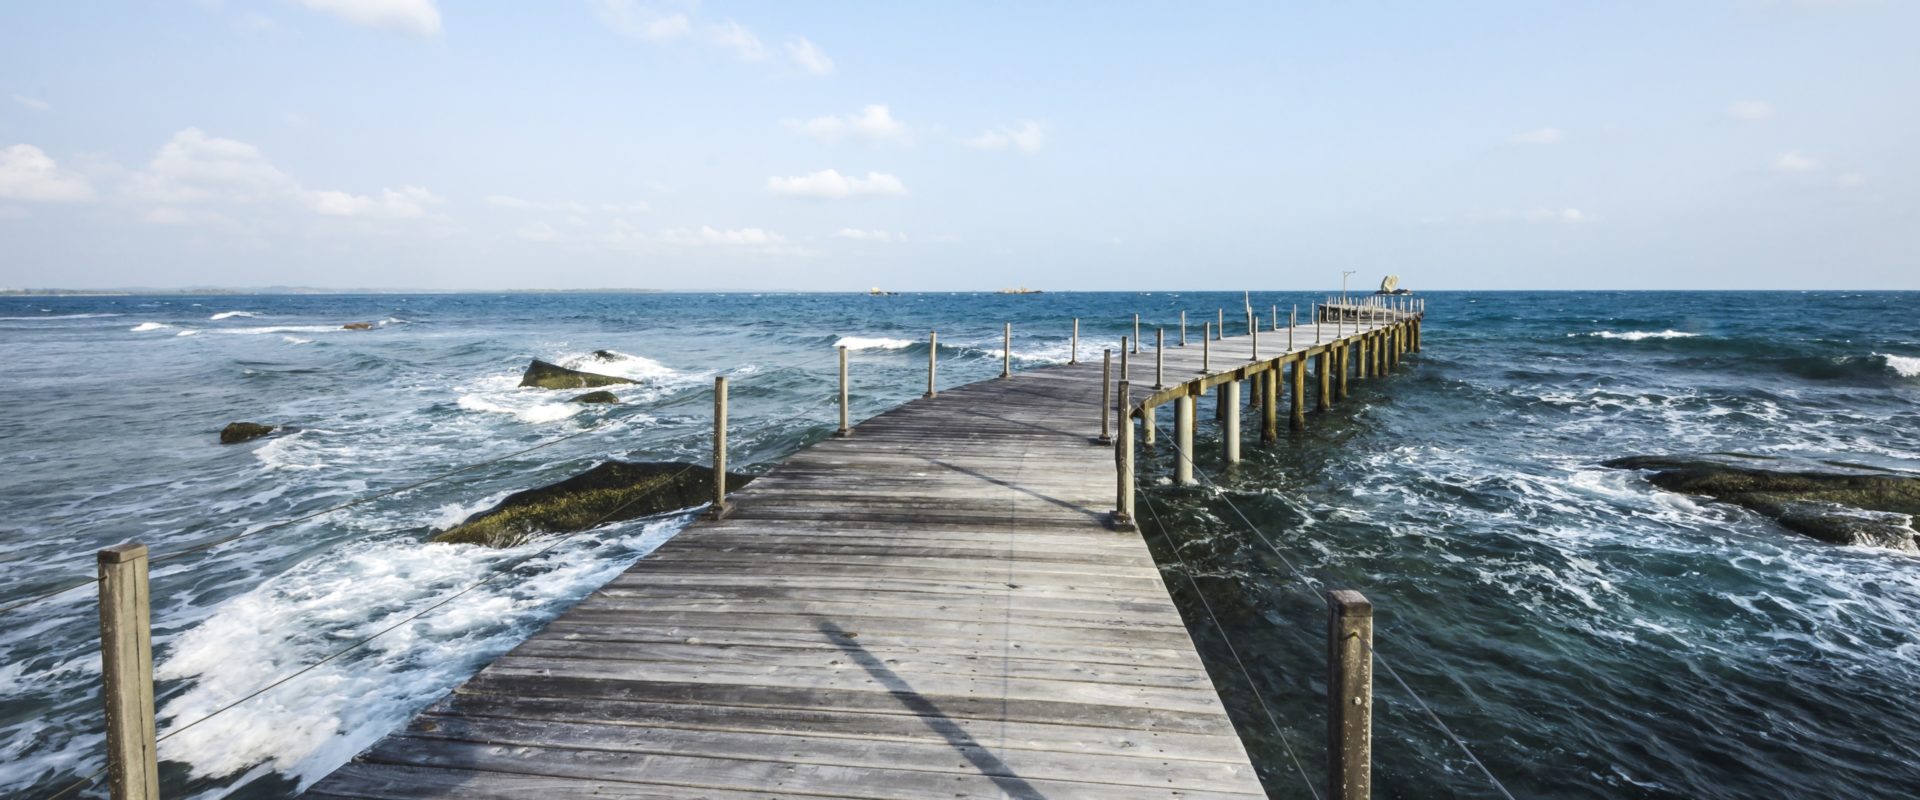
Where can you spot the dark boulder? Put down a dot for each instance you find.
(238, 432)
(554, 376)
(1830, 501)
(602, 396)
(358, 326)
(610, 492)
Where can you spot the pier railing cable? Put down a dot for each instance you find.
(1308, 580)
(1279, 730)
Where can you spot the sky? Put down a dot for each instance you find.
(652, 144)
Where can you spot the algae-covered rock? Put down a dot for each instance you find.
(238, 432)
(554, 376)
(358, 326)
(611, 491)
(597, 397)
(1830, 501)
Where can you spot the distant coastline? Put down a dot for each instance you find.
(209, 291)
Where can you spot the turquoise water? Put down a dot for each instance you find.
(1586, 634)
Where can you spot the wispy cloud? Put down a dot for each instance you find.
(646, 22)
(731, 35)
(1794, 162)
(709, 236)
(33, 103)
(874, 123)
(407, 202)
(1539, 136)
(194, 169)
(1538, 216)
(411, 17)
(830, 184)
(860, 235)
(809, 56)
(1750, 111)
(1027, 137)
(632, 19)
(28, 173)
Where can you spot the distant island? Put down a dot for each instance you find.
(216, 291)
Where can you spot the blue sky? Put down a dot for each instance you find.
(915, 146)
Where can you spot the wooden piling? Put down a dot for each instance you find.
(1349, 696)
(1122, 517)
(126, 673)
(1006, 352)
(1124, 375)
(933, 359)
(846, 428)
(1230, 438)
(1341, 366)
(1270, 404)
(1324, 400)
(1074, 357)
(719, 508)
(1159, 358)
(1149, 426)
(1183, 440)
(1299, 419)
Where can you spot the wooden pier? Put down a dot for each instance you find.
(950, 602)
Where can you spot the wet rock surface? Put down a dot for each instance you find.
(553, 376)
(237, 432)
(1828, 500)
(610, 492)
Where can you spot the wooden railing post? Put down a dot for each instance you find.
(1220, 325)
(1123, 359)
(1006, 353)
(1183, 329)
(1159, 358)
(933, 359)
(1074, 358)
(1106, 397)
(1254, 333)
(846, 426)
(719, 509)
(1136, 334)
(1206, 349)
(126, 672)
(1349, 696)
(1293, 324)
(1123, 462)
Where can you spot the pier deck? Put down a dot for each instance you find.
(935, 607)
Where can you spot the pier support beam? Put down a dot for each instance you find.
(1299, 419)
(1270, 405)
(1340, 367)
(126, 673)
(1148, 427)
(1122, 517)
(1324, 400)
(1349, 696)
(1230, 438)
(1183, 440)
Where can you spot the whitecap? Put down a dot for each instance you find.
(618, 364)
(296, 340)
(150, 326)
(58, 316)
(1634, 336)
(536, 413)
(232, 314)
(188, 332)
(872, 343)
(1904, 366)
(281, 329)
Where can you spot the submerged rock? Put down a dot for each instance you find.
(611, 491)
(554, 376)
(237, 432)
(358, 326)
(1830, 501)
(597, 397)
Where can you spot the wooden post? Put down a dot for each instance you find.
(1159, 358)
(719, 509)
(1230, 438)
(1254, 333)
(846, 429)
(1006, 353)
(1220, 405)
(1346, 355)
(1276, 317)
(1299, 419)
(1206, 349)
(1123, 463)
(1349, 696)
(1324, 400)
(1360, 343)
(1149, 427)
(933, 360)
(1220, 325)
(1106, 397)
(1316, 324)
(1293, 324)
(1123, 359)
(1183, 439)
(126, 673)
(1270, 404)
(1183, 329)
(1074, 358)
(1136, 334)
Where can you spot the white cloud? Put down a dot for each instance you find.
(1029, 137)
(28, 173)
(194, 167)
(741, 41)
(860, 235)
(873, 123)
(1851, 179)
(631, 19)
(1539, 136)
(1750, 111)
(33, 103)
(538, 232)
(1794, 162)
(809, 56)
(508, 201)
(412, 17)
(1564, 216)
(831, 184)
(407, 202)
(708, 235)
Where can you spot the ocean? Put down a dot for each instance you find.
(1585, 633)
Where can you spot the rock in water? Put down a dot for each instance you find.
(238, 432)
(554, 376)
(358, 326)
(1829, 501)
(610, 492)
(597, 397)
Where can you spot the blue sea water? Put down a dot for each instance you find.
(1586, 634)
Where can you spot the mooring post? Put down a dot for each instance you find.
(846, 429)
(126, 673)
(1123, 463)
(1074, 358)
(1183, 329)
(1136, 333)
(1159, 358)
(933, 359)
(1206, 349)
(1006, 353)
(1349, 695)
(1324, 400)
(1270, 404)
(1230, 438)
(1183, 439)
(1299, 419)
(719, 509)
(1106, 396)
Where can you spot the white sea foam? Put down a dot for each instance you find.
(536, 412)
(873, 343)
(281, 329)
(150, 326)
(57, 316)
(296, 340)
(1635, 336)
(618, 364)
(188, 332)
(232, 314)
(1904, 366)
(313, 723)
